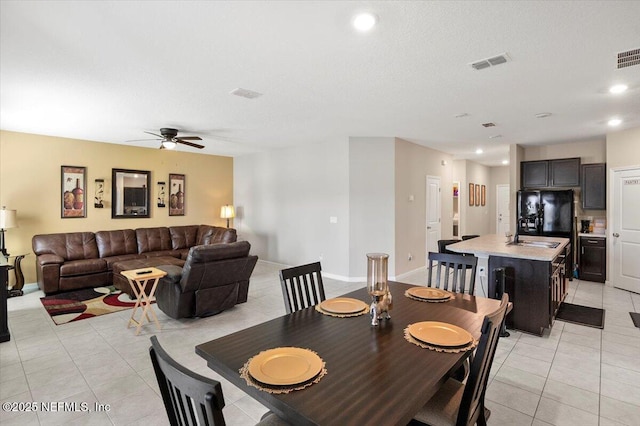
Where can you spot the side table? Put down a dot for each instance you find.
(138, 279)
(16, 290)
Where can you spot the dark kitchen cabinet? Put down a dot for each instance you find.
(593, 259)
(564, 172)
(534, 174)
(594, 186)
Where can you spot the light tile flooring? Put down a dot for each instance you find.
(573, 376)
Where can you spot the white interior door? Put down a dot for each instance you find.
(625, 230)
(434, 231)
(503, 215)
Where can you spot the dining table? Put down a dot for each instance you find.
(374, 375)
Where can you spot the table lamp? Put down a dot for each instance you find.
(7, 220)
(227, 212)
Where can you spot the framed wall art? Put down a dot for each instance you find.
(471, 194)
(477, 194)
(162, 194)
(177, 197)
(483, 195)
(72, 193)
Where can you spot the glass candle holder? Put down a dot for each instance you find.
(377, 286)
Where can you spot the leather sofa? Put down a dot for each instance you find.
(212, 279)
(73, 260)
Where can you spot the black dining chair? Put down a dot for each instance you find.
(189, 398)
(463, 404)
(442, 246)
(468, 237)
(449, 272)
(302, 286)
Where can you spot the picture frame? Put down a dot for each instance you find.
(162, 194)
(477, 194)
(471, 194)
(73, 188)
(177, 191)
(483, 195)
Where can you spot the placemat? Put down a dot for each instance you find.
(406, 293)
(331, 314)
(409, 338)
(244, 373)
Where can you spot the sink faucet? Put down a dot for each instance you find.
(516, 237)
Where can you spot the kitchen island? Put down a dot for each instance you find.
(535, 275)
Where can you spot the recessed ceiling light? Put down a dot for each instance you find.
(461, 115)
(495, 136)
(479, 151)
(365, 21)
(543, 115)
(618, 88)
(614, 122)
(505, 162)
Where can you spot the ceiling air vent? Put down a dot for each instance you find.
(245, 93)
(628, 58)
(490, 62)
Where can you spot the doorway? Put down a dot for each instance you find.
(456, 210)
(625, 229)
(434, 231)
(503, 214)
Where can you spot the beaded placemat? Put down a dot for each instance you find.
(419, 299)
(409, 338)
(331, 314)
(244, 373)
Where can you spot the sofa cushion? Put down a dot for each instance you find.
(69, 246)
(113, 259)
(183, 236)
(83, 267)
(215, 234)
(153, 239)
(116, 243)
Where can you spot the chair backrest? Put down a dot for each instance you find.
(468, 237)
(302, 286)
(442, 244)
(190, 399)
(472, 403)
(449, 272)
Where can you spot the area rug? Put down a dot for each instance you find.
(85, 303)
(582, 315)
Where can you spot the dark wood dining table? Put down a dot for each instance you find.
(374, 375)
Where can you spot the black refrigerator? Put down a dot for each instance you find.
(547, 213)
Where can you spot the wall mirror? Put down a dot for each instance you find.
(130, 193)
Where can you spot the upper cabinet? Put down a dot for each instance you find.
(594, 186)
(564, 172)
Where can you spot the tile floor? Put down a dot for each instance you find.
(574, 375)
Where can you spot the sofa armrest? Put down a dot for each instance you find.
(174, 273)
(49, 259)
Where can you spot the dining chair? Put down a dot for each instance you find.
(463, 404)
(468, 237)
(442, 246)
(451, 272)
(302, 286)
(189, 398)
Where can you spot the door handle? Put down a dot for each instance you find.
(428, 227)
(615, 234)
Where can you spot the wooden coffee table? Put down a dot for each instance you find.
(138, 279)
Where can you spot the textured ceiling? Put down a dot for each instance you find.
(107, 71)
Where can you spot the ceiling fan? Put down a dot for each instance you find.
(169, 139)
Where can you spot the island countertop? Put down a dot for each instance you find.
(496, 245)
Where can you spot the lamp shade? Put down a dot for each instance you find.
(8, 219)
(227, 212)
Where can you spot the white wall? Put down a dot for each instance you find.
(284, 200)
(371, 202)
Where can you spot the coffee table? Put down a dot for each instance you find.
(138, 279)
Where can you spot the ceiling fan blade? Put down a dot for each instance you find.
(195, 145)
(189, 138)
(155, 134)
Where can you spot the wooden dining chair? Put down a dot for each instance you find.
(189, 398)
(449, 272)
(302, 286)
(463, 404)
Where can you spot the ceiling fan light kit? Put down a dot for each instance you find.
(169, 139)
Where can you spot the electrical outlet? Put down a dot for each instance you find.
(482, 272)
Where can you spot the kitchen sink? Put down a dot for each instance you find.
(543, 244)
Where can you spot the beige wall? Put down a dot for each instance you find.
(413, 163)
(30, 183)
(591, 151)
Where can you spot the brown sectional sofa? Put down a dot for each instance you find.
(69, 261)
